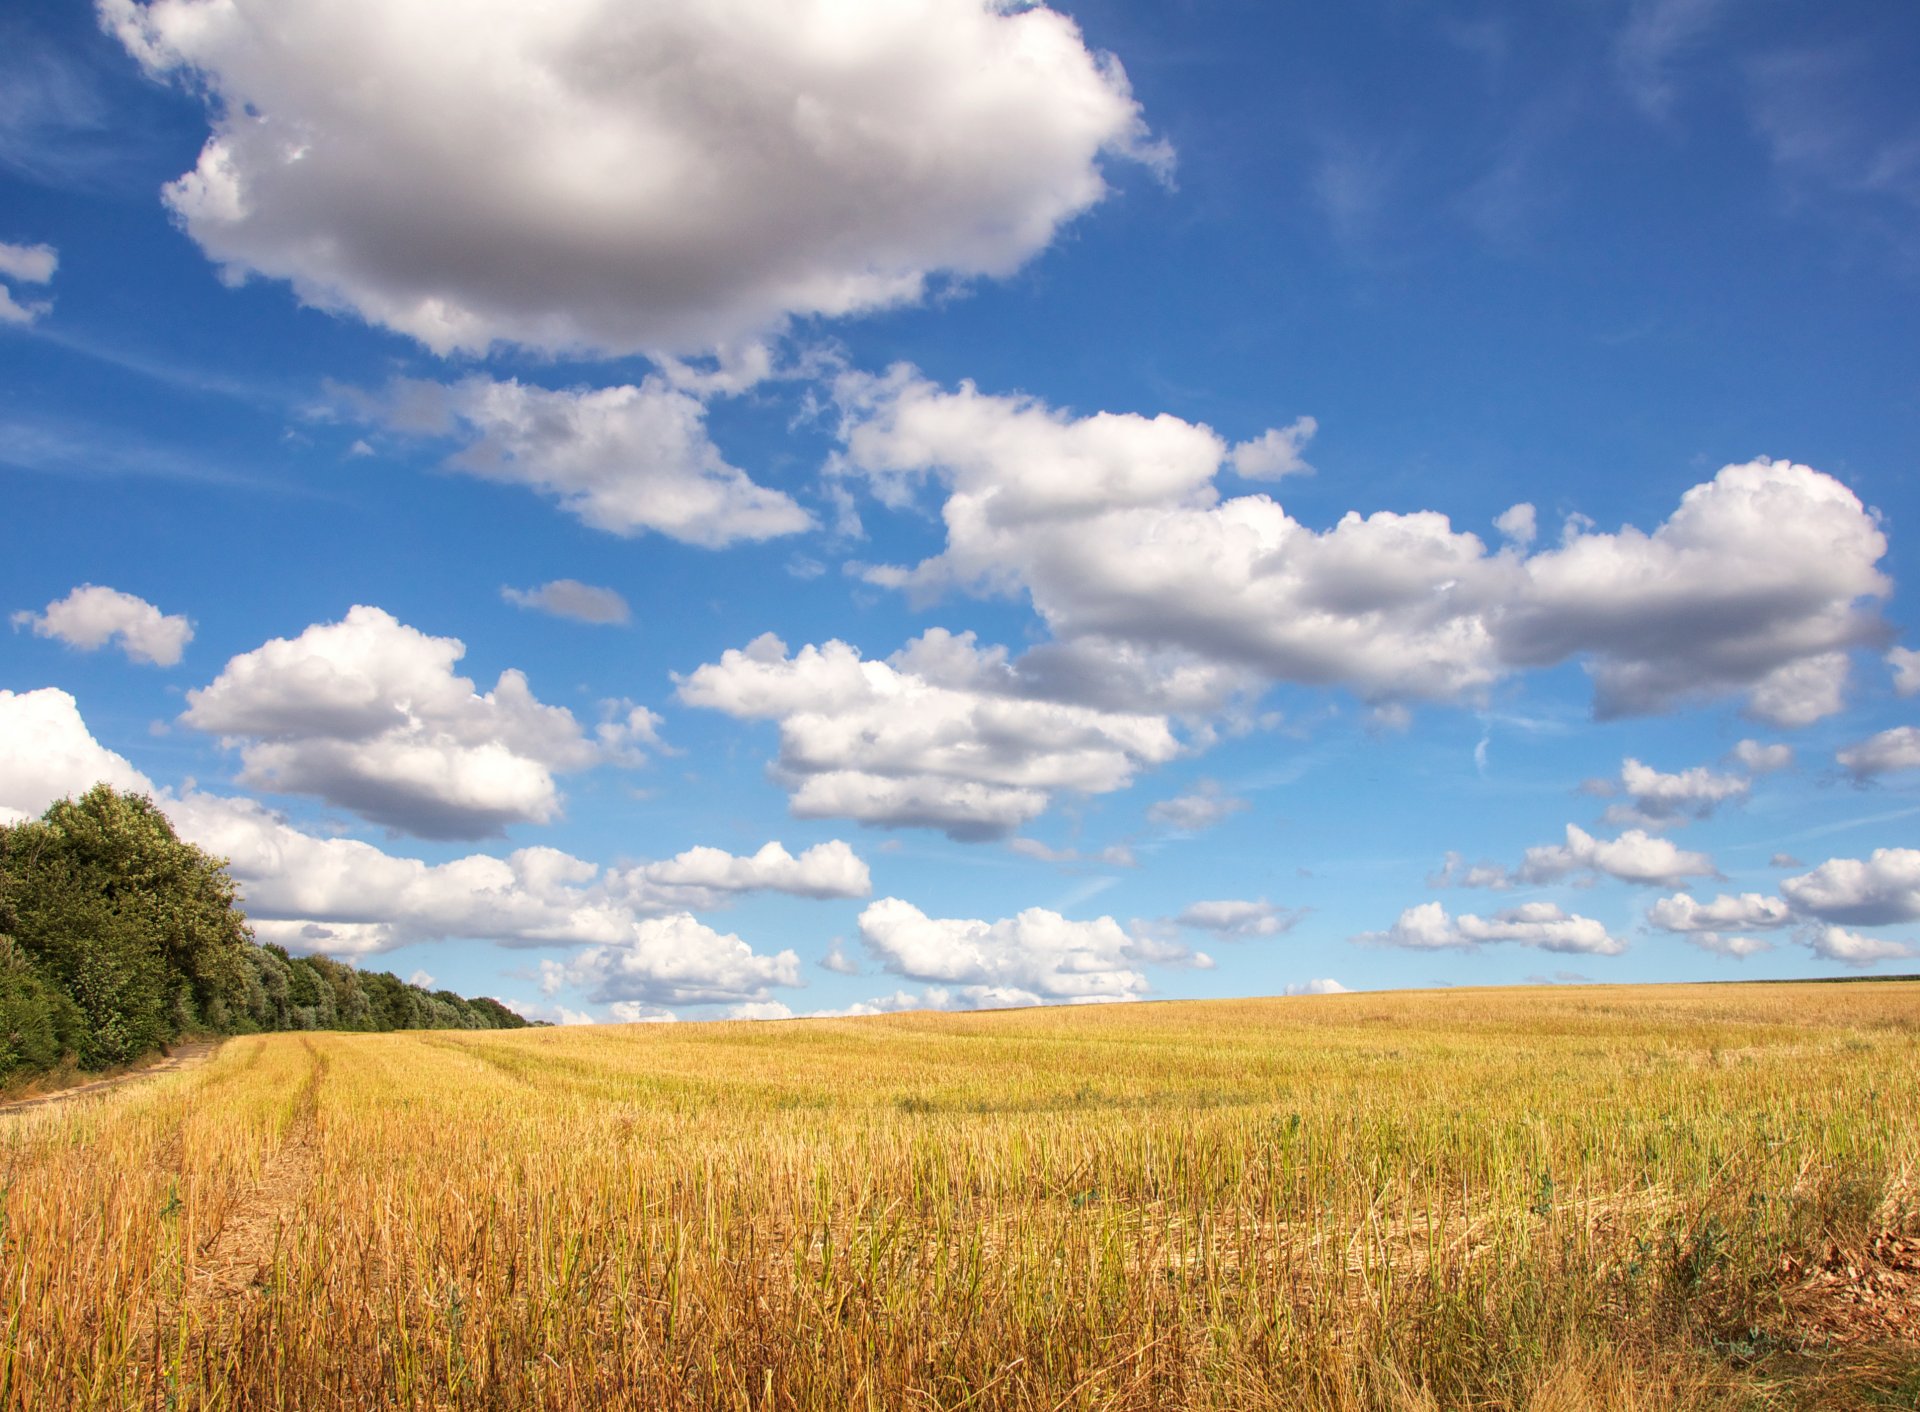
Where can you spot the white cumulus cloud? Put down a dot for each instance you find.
(1325, 985)
(1635, 857)
(1276, 452)
(1758, 584)
(1657, 800)
(941, 735)
(1427, 927)
(47, 753)
(92, 616)
(631, 175)
(1036, 957)
(1852, 949)
(629, 459)
(368, 714)
(1748, 911)
(1874, 891)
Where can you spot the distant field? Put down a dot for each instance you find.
(1555, 1199)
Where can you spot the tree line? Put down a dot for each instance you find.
(117, 937)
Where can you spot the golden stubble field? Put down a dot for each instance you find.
(1555, 1199)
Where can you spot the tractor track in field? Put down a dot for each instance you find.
(244, 1248)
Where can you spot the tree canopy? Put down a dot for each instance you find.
(118, 937)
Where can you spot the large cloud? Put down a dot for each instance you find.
(47, 753)
(1035, 957)
(941, 735)
(627, 459)
(1427, 927)
(348, 898)
(630, 174)
(1114, 527)
(368, 714)
(341, 894)
(1872, 892)
(92, 616)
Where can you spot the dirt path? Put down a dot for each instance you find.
(250, 1236)
(184, 1056)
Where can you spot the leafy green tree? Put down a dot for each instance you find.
(116, 937)
(139, 928)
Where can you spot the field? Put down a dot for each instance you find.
(1554, 1199)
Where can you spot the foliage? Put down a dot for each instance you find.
(118, 937)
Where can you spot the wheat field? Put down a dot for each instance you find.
(1597, 1197)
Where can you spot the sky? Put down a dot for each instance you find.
(662, 512)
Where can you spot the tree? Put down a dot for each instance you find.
(116, 937)
(139, 928)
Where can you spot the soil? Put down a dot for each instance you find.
(181, 1056)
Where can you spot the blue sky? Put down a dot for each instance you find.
(1133, 501)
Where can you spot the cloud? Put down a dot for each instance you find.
(677, 960)
(1033, 958)
(1656, 35)
(1276, 452)
(1114, 855)
(1882, 754)
(1660, 800)
(1239, 920)
(837, 960)
(569, 598)
(1852, 949)
(1427, 927)
(47, 753)
(25, 264)
(1881, 889)
(586, 174)
(368, 715)
(830, 869)
(1114, 527)
(348, 898)
(1759, 759)
(1823, 113)
(1904, 663)
(1749, 911)
(1736, 948)
(1518, 524)
(1454, 871)
(940, 735)
(1635, 857)
(1326, 985)
(760, 1010)
(1205, 805)
(627, 459)
(90, 617)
